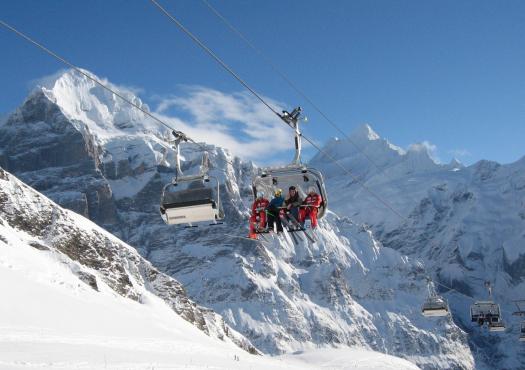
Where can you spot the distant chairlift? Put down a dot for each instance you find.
(191, 199)
(294, 174)
(520, 304)
(434, 305)
(487, 312)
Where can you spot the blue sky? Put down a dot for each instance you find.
(448, 72)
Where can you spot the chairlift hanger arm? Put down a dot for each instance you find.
(180, 136)
(292, 120)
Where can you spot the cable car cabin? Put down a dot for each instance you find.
(434, 306)
(299, 176)
(487, 312)
(190, 201)
(522, 332)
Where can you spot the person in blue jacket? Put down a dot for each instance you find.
(273, 210)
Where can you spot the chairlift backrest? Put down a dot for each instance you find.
(188, 195)
(485, 308)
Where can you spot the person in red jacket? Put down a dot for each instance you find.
(258, 217)
(310, 207)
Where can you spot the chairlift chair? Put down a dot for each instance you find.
(434, 305)
(520, 305)
(190, 205)
(295, 174)
(497, 326)
(487, 312)
(300, 176)
(191, 199)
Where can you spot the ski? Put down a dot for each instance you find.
(299, 227)
(262, 241)
(289, 228)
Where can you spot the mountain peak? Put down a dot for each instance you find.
(82, 99)
(65, 77)
(364, 132)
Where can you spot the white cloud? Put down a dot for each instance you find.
(427, 146)
(236, 121)
(459, 153)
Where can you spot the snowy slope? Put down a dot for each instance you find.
(96, 257)
(345, 290)
(466, 224)
(50, 319)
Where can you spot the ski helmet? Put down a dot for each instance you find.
(277, 192)
(260, 194)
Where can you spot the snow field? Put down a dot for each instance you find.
(49, 319)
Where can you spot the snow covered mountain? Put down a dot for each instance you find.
(73, 296)
(466, 224)
(89, 152)
(95, 257)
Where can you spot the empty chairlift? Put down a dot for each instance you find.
(487, 312)
(434, 305)
(191, 199)
(521, 312)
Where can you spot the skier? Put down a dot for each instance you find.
(258, 217)
(293, 201)
(273, 210)
(310, 207)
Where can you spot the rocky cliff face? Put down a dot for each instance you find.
(88, 152)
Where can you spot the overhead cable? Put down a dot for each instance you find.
(99, 83)
(242, 82)
(288, 80)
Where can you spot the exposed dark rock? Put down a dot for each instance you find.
(89, 279)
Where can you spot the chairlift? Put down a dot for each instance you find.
(520, 304)
(434, 305)
(191, 199)
(487, 312)
(294, 174)
(497, 326)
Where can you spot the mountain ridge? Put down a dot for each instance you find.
(345, 290)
